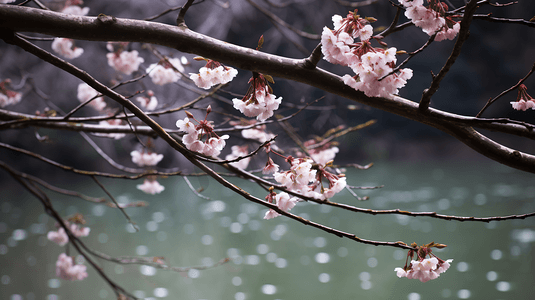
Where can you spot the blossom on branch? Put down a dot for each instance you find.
(283, 201)
(213, 73)
(151, 186)
(145, 158)
(432, 19)
(374, 67)
(238, 151)
(7, 96)
(148, 103)
(65, 47)
(165, 71)
(66, 269)
(125, 62)
(72, 7)
(424, 269)
(259, 100)
(61, 238)
(193, 139)
(85, 92)
(523, 101)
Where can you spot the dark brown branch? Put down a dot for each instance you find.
(506, 91)
(88, 28)
(463, 36)
(180, 19)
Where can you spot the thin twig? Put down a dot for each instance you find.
(506, 91)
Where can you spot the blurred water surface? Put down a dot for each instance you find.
(280, 258)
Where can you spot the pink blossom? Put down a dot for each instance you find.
(66, 269)
(125, 62)
(270, 214)
(85, 92)
(424, 270)
(259, 102)
(212, 74)
(77, 229)
(285, 202)
(65, 47)
(145, 159)
(7, 96)
(150, 187)
(59, 237)
(238, 151)
(166, 71)
(75, 10)
(270, 167)
(186, 125)
(523, 101)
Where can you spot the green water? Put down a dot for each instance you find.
(280, 258)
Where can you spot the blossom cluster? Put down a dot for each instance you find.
(166, 71)
(150, 186)
(306, 179)
(72, 7)
(61, 238)
(125, 62)
(259, 100)
(7, 96)
(142, 158)
(374, 67)
(65, 47)
(432, 19)
(213, 73)
(66, 269)
(238, 151)
(523, 101)
(424, 269)
(85, 93)
(148, 103)
(193, 139)
(283, 201)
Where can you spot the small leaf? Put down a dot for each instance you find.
(260, 42)
(269, 78)
(532, 19)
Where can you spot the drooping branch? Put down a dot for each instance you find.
(26, 19)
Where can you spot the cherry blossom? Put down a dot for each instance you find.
(150, 187)
(66, 269)
(373, 66)
(523, 101)
(259, 101)
(238, 151)
(7, 96)
(213, 73)
(59, 237)
(71, 7)
(7, 1)
(424, 269)
(165, 71)
(193, 139)
(65, 47)
(432, 19)
(150, 102)
(270, 167)
(283, 201)
(125, 62)
(145, 158)
(85, 92)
